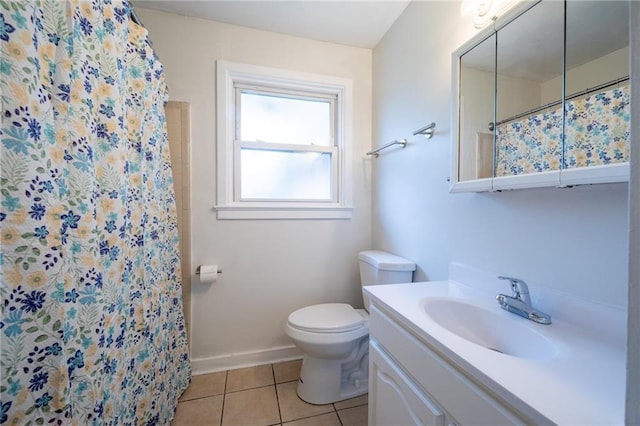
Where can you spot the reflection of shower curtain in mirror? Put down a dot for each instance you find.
(597, 133)
(92, 329)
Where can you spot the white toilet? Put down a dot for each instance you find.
(334, 337)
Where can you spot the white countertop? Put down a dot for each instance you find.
(582, 384)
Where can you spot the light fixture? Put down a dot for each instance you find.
(485, 11)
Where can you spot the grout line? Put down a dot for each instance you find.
(201, 397)
(275, 387)
(311, 416)
(256, 387)
(224, 395)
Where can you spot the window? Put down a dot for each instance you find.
(282, 144)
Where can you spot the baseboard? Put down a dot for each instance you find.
(244, 359)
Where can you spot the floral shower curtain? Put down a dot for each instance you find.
(92, 329)
(596, 133)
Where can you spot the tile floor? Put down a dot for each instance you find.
(261, 396)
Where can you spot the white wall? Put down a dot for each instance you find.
(477, 90)
(593, 73)
(515, 96)
(573, 240)
(270, 268)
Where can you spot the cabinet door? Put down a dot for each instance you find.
(393, 398)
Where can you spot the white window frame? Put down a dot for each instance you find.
(229, 204)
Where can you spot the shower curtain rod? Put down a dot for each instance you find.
(555, 103)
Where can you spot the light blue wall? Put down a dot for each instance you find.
(574, 240)
(633, 328)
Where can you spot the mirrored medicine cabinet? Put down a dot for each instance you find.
(542, 98)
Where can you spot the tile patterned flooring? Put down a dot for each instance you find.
(261, 396)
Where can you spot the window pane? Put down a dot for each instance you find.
(285, 175)
(285, 120)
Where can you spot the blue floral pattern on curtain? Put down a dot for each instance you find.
(597, 133)
(598, 128)
(92, 328)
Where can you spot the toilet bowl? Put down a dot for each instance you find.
(334, 337)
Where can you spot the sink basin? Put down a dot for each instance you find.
(491, 330)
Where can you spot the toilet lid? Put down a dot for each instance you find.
(326, 318)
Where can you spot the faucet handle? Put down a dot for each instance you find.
(519, 289)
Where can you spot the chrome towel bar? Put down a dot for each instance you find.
(427, 131)
(376, 152)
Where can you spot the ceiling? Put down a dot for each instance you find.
(360, 23)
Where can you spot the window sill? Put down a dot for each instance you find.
(283, 212)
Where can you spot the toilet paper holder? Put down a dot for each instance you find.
(198, 270)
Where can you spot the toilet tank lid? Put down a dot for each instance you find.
(386, 261)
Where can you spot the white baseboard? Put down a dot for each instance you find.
(244, 359)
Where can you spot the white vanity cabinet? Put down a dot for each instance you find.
(394, 399)
(411, 384)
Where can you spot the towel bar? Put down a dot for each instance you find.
(427, 131)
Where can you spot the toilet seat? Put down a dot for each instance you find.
(327, 318)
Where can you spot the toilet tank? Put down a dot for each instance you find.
(379, 267)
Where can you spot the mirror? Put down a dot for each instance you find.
(597, 110)
(528, 123)
(532, 110)
(477, 91)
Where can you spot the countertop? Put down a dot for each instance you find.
(583, 383)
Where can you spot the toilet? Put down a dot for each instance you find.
(334, 337)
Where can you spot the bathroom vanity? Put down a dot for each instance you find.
(445, 353)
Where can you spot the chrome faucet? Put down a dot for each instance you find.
(519, 302)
